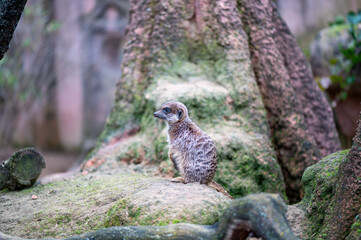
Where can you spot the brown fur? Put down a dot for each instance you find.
(191, 150)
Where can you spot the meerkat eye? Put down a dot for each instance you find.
(180, 113)
(166, 110)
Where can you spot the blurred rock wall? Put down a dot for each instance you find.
(306, 17)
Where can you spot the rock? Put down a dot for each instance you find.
(319, 182)
(355, 231)
(327, 61)
(326, 47)
(262, 214)
(247, 162)
(114, 196)
(21, 170)
(297, 220)
(259, 215)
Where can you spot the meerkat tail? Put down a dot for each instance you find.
(219, 188)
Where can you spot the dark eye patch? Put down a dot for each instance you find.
(166, 110)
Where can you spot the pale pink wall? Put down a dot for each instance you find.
(69, 90)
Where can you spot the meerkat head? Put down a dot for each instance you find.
(172, 112)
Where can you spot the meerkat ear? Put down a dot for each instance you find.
(180, 113)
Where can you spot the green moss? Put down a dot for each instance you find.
(123, 213)
(144, 148)
(114, 215)
(87, 203)
(240, 169)
(355, 230)
(74, 218)
(357, 224)
(148, 220)
(337, 29)
(319, 183)
(47, 222)
(134, 213)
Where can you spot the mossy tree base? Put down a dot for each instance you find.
(197, 54)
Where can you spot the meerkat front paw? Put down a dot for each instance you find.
(178, 180)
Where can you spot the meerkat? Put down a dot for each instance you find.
(192, 151)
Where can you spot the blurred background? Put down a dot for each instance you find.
(57, 81)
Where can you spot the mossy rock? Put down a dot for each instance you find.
(319, 183)
(355, 232)
(233, 115)
(247, 163)
(326, 49)
(114, 197)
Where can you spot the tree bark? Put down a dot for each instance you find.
(10, 12)
(152, 44)
(316, 110)
(302, 125)
(347, 198)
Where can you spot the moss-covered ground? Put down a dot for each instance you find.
(114, 197)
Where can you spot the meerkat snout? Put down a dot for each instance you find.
(171, 112)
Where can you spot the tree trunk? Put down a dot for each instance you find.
(21, 170)
(301, 121)
(316, 110)
(10, 12)
(347, 198)
(197, 52)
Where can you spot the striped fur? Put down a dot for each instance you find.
(192, 151)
